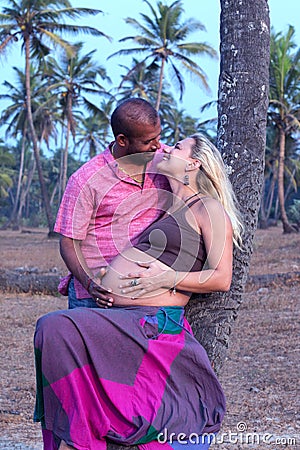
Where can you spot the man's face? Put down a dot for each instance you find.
(143, 145)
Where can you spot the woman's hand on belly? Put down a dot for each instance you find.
(153, 276)
(154, 280)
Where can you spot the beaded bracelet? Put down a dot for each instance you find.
(174, 284)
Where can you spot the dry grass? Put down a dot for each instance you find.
(260, 375)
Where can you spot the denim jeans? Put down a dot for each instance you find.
(74, 302)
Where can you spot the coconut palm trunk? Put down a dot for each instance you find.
(13, 217)
(287, 227)
(66, 149)
(26, 189)
(35, 145)
(242, 118)
(160, 84)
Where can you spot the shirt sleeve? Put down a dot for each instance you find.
(76, 210)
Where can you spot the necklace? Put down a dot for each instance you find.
(191, 196)
(182, 202)
(137, 180)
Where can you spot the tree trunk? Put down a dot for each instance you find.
(263, 222)
(160, 85)
(270, 197)
(55, 189)
(13, 217)
(242, 111)
(287, 227)
(36, 149)
(26, 189)
(28, 281)
(66, 149)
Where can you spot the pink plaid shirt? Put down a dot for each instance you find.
(107, 210)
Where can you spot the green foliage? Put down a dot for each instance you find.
(282, 150)
(161, 39)
(42, 21)
(5, 183)
(7, 166)
(294, 212)
(161, 36)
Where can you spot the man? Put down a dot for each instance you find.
(109, 201)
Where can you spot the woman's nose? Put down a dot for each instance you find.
(167, 149)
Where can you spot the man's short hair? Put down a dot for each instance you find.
(131, 112)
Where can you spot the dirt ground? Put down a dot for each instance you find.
(260, 375)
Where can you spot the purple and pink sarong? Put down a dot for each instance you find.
(128, 374)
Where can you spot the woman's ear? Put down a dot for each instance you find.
(193, 165)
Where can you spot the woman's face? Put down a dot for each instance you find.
(176, 159)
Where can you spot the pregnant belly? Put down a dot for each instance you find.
(125, 263)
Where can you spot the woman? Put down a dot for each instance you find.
(166, 388)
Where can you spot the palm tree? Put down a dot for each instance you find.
(284, 108)
(38, 24)
(7, 163)
(163, 40)
(268, 198)
(270, 210)
(141, 81)
(26, 185)
(14, 117)
(73, 78)
(176, 125)
(94, 131)
(242, 117)
(16, 120)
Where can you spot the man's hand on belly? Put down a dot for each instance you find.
(98, 292)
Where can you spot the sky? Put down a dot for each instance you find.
(112, 23)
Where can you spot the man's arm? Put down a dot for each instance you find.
(70, 250)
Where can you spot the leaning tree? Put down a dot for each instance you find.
(242, 114)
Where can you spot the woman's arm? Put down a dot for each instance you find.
(216, 229)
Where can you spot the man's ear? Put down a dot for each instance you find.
(122, 140)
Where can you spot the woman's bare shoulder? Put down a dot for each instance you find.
(210, 210)
(209, 204)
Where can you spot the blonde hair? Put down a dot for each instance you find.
(212, 180)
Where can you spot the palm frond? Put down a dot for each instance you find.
(127, 51)
(195, 48)
(74, 29)
(57, 41)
